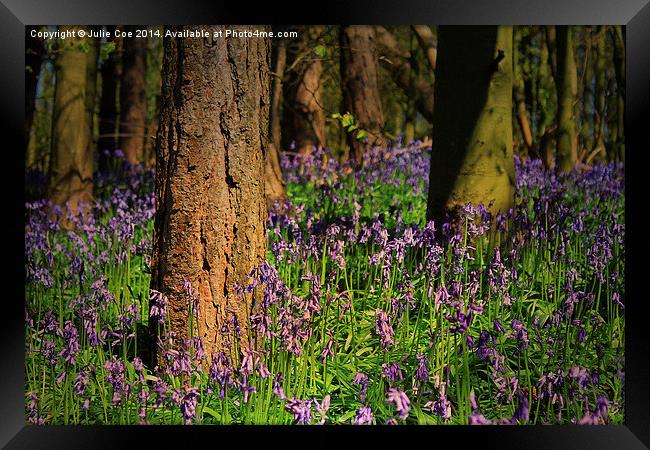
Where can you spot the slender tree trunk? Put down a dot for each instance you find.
(274, 187)
(308, 117)
(397, 61)
(71, 163)
(601, 91)
(551, 43)
(154, 67)
(211, 213)
(34, 51)
(518, 95)
(360, 86)
(107, 142)
(428, 42)
(567, 86)
(548, 109)
(588, 96)
(619, 70)
(133, 97)
(471, 159)
(91, 88)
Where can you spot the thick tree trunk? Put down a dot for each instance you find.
(34, 51)
(361, 86)
(471, 159)
(71, 163)
(133, 97)
(567, 86)
(211, 213)
(274, 186)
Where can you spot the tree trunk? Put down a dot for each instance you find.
(361, 86)
(33, 59)
(154, 67)
(588, 96)
(619, 70)
(306, 94)
(211, 213)
(133, 97)
(274, 186)
(567, 86)
(428, 42)
(551, 43)
(106, 142)
(546, 92)
(91, 88)
(519, 97)
(601, 91)
(71, 163)
(471, 159)
(396, 60)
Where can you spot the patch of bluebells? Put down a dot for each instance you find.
(358, 290)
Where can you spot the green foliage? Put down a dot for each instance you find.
(320, 51)
(350, 125)
(105, 50)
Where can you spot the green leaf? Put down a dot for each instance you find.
(362, 135)
(336, 116)
(364, 350)
(320, 51)
(348, 119)
(211, 412)
(106, 50)
(347, 416)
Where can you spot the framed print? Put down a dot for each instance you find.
(412, 217)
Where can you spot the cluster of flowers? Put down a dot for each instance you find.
(416, 304)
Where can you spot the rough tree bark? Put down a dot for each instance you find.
(34, 51)
(211, 213)
(359, 78)
(274, 185)
(108, 103)
(567, 87)
(71, 163)
(133, 97)
(471, 159)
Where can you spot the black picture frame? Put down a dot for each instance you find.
(634, 14)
